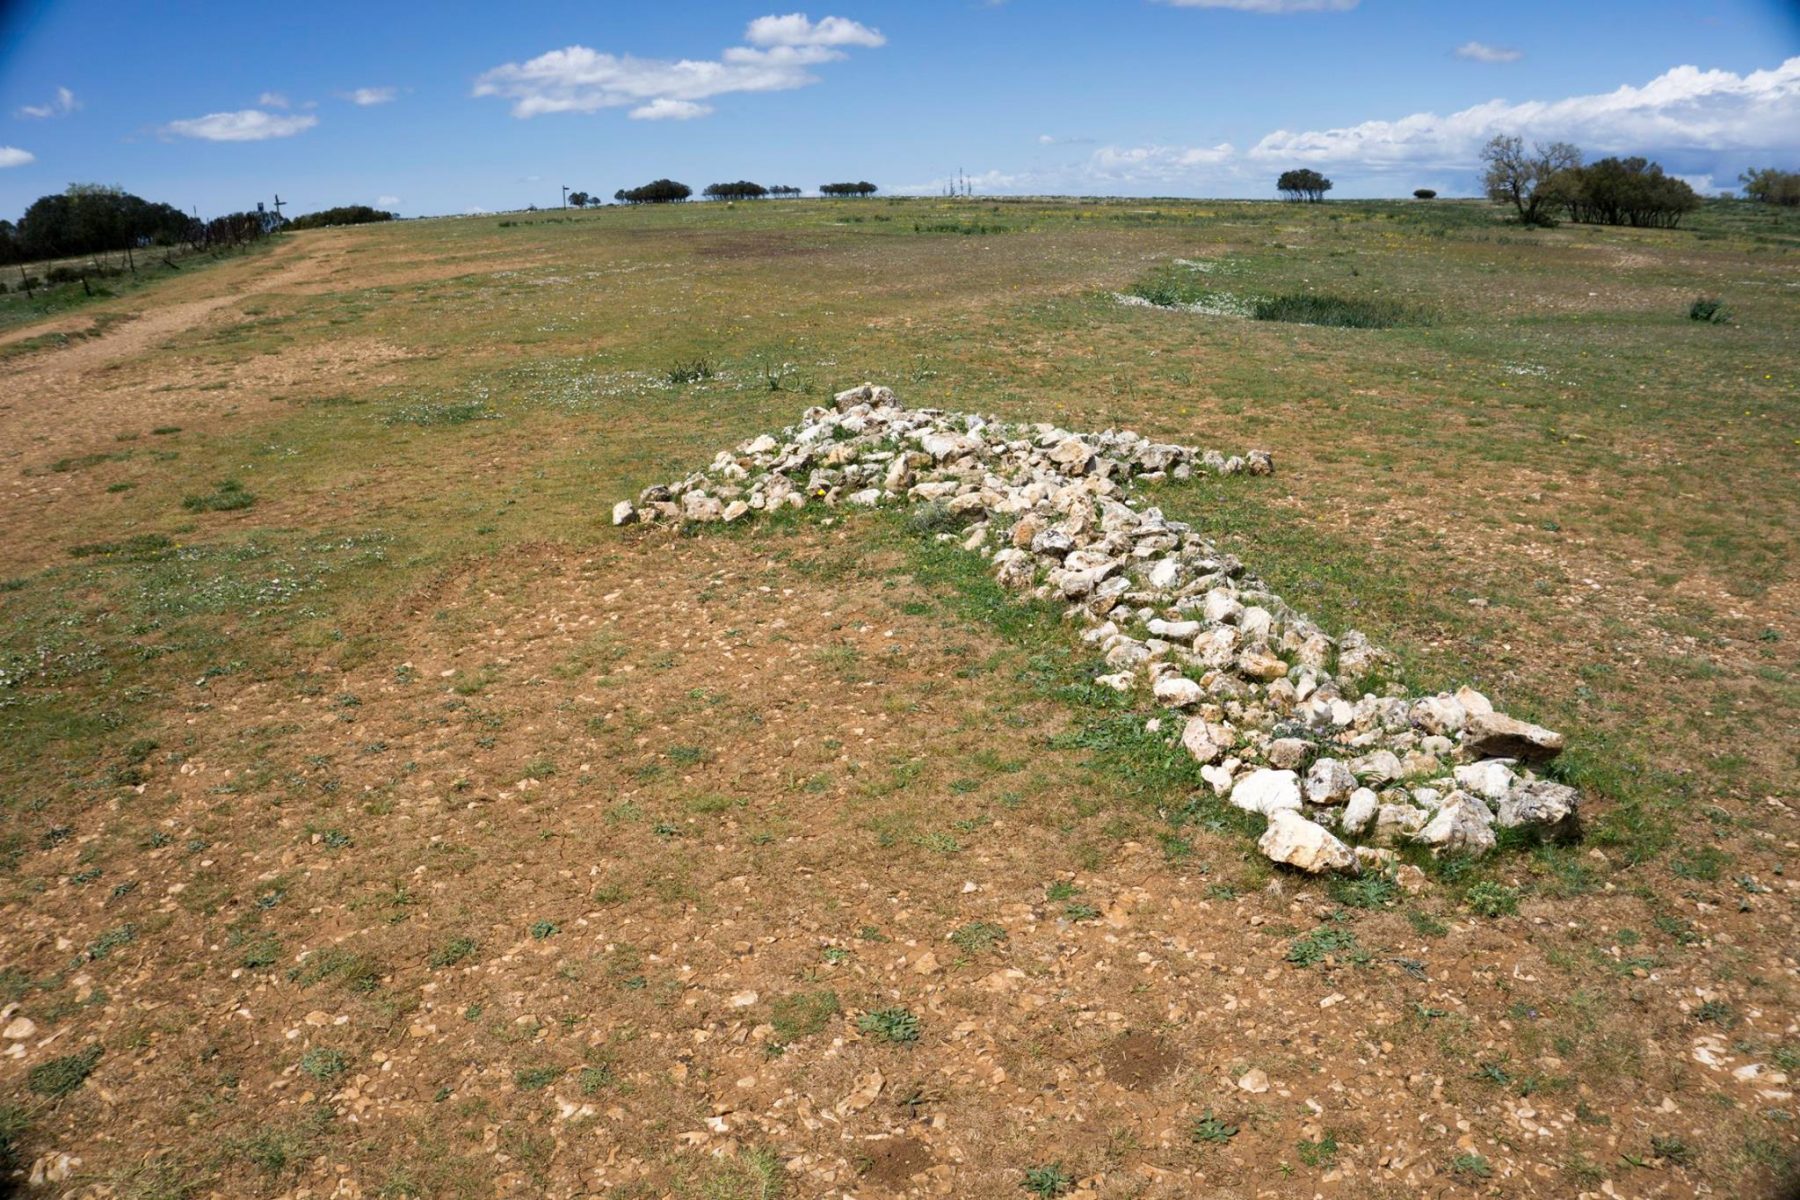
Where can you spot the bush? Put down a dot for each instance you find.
(1424, 194)
(1710, 309)
(1492, 899)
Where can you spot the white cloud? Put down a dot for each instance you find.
(665, 109)
(12, 156)
(1269, 6)
(581, 79)
(1685, 112)
(795, 30)
(387, 201)
(1482, 52)
(1139, 164)
(61, 105)
(248, 125)
(1050, 139)
(272, 100)
(367, 96)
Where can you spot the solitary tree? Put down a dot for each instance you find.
(1531, 183)
(1424, 194)
(578, 199)
(1303, 183)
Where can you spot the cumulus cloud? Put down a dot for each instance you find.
(272, 100)
(366, 96)
(795, 30)
(1142, 164)
(247, 125)
(1482, 52)
(665, 109)
(61, 105)
(781, 52)
(387, 201)
(1269, 6)
(1684, 112)
(12, 156)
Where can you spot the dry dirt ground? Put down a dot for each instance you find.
(750, 865)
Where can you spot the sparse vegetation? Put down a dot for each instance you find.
(339, 753)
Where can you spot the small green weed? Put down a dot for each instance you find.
(897, 1025)
(1210, 1130)
(324, 1064)
(1048, 1181)
(453, 951)
(1325, 942)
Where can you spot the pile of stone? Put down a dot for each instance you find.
(1285, 720)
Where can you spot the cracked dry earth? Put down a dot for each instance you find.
(582, 884)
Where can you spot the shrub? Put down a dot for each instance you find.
(1424, 194)
(1709, 309)
(1492, 899)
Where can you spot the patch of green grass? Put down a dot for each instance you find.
(60, 1076)
(453, 951)
(978, 937)
(536, 1079)
(324, 1064)
(433, 414)
(897, 1025)
(228, 495)
(802, 1014)
(1371, 890)
(1674, 1150)
(1343, 312)
(1321, 1153)
(540, 930)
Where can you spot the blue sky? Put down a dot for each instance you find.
(455, 107)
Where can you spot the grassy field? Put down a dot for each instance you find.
(375, 820)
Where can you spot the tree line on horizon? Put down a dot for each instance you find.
(668, 191)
